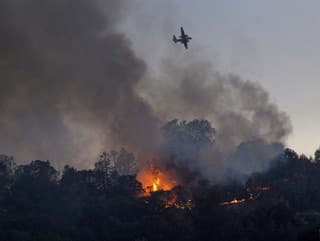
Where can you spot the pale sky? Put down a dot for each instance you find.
(274, 42)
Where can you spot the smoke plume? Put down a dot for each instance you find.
(67, 81)
(72, 86)
(239, 110)
(250, 129)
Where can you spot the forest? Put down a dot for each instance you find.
(112, 201)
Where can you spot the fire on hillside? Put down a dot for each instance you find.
(154, 179)
(164, 183)
(252, 193)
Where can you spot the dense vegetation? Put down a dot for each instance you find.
(37, 203)
(100, 204)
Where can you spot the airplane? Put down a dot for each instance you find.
(184, 38)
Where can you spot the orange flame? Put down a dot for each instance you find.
(154, 180)
(156, 185)
(175, 203)
(234, 201)
(251, 196)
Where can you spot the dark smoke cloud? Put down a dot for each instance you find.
(187, 85)
(254, 156)
(247, 122)
(67, 80)
(70, 87)
(239, 110)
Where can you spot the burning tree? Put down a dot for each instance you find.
(154, 179)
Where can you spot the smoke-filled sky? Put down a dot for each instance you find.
(275, 43)
(78, 77)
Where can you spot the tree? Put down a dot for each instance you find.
(103, 164)
(7, 168)
(125, 163)
(122, 162)
(38, 170)
(185, 140)
(317, 156)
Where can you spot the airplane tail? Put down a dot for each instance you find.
(175, 39)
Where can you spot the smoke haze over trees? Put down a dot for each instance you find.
(36, 203)
(71, 86)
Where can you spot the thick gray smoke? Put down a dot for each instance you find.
(239, 110)
(70, 87)
(67, 81)
(249, 127)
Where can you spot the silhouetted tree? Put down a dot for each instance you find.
(317, 156)
(184, 143)
(125, 163)
(7, 168)
(103, 164)
(184, 140)
(104, 203)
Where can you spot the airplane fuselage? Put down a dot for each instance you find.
(183, 38)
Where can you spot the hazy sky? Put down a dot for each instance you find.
(275, 43)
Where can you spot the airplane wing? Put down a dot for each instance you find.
(182, 32)
(185, 45)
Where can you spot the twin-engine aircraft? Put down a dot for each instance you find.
(184, 38)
